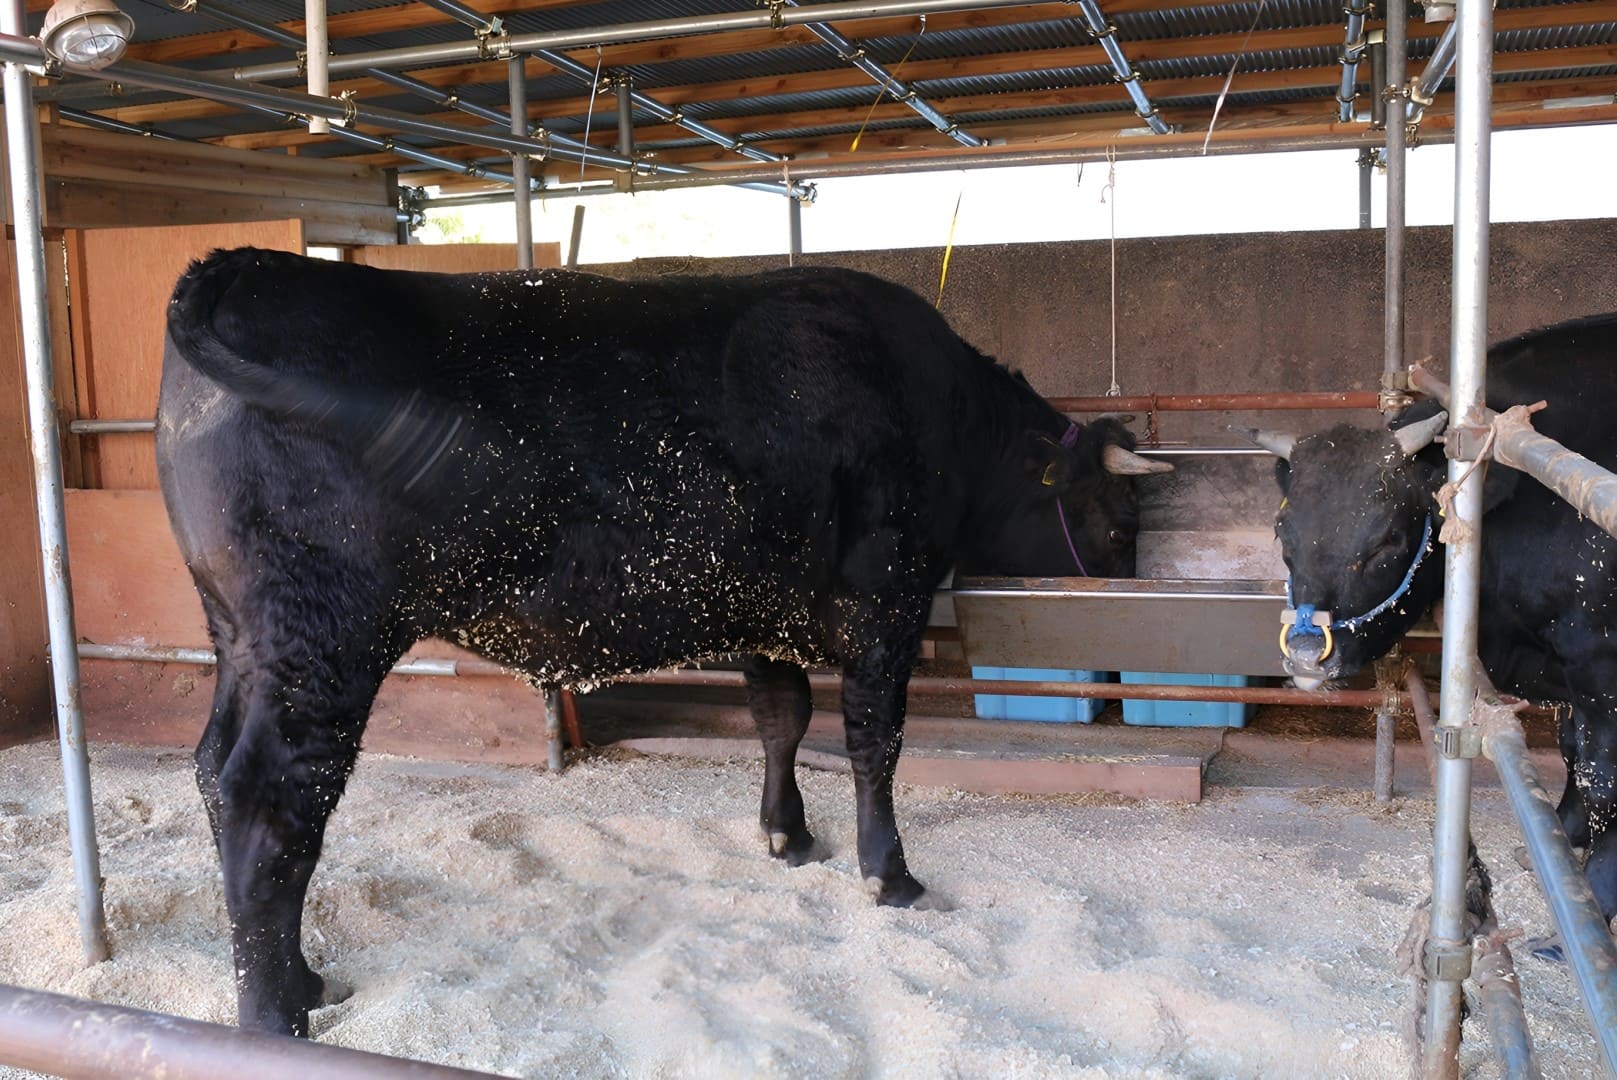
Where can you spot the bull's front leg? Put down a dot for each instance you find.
(873, 700)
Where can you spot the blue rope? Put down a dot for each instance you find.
(1305, 612)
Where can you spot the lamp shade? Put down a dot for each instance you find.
(86, 33)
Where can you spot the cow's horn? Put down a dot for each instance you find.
(1417, 437)
(1121, 462)
(1278, 443)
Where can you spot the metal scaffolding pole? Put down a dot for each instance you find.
(67, 1036)
(1396, 38)
(888, 84)
(1448, 952)
(522, 201)
(504, 45)
(1353, 45)
(216, 88)
(22, 161)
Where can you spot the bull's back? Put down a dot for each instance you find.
(1573, 367)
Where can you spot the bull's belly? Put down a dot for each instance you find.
(586, 645)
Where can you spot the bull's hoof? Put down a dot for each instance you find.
(795, 848)
(903, 891)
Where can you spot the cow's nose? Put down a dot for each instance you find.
(1305, 653)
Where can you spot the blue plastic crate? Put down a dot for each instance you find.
(1185, 713)
(1048, 710)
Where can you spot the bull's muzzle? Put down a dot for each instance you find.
(1306, 642)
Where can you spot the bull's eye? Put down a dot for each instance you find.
(1117, 538)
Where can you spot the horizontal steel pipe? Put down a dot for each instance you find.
(89, 1040)
(1590, 489)
(1257, 695)
(108, 427)
(503, 45)
(270, 98)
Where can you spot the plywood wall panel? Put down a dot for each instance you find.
(131, 587)
(122, 279)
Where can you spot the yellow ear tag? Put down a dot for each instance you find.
(1049, 478)
(1284, 499)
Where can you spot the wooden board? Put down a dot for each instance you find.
(121, 281)
(85, 204)
(452, 258)
(25, 699)
(130, 587)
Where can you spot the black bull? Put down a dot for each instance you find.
(579, 478)
(1357, 503)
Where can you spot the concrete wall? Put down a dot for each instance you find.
(1241, 313)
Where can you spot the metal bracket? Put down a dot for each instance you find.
(1464, 442)
(1446, 963)
(494, 42)
(1457, 741)
(1394, 395)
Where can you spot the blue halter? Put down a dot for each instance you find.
(1304, 613)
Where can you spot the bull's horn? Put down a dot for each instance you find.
(1121, 462)
(1418, 436)
(1278, 443)
(1120, 417)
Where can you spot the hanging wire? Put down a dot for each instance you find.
(1228, 79)
(589, 115)
(886, 86)
(1108, 195)
(948, 247)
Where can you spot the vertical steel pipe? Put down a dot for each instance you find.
(522, 196)
(1446, 963)
(1392, 320)
(1367, 166)
(794, 228)
(625, 97)
(553, 755)
(316, 52)
(576, 238)
(22, 161)
(1378, 76)
(1386, 732)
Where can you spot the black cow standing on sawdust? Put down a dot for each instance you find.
(580, 478)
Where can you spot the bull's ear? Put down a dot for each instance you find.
(1283, 475)
(1045, 460)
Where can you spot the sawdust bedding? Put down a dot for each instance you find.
(624, 919)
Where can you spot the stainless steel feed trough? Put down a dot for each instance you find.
(1110, 624)
(1207, 601)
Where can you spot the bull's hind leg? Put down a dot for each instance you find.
(300, 734)
(778, 695)
(873, 703)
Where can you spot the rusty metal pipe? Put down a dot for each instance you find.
(1348, 399)
(88, 1040)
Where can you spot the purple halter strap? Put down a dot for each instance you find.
(1068, 440)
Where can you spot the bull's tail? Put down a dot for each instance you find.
(406, 437)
